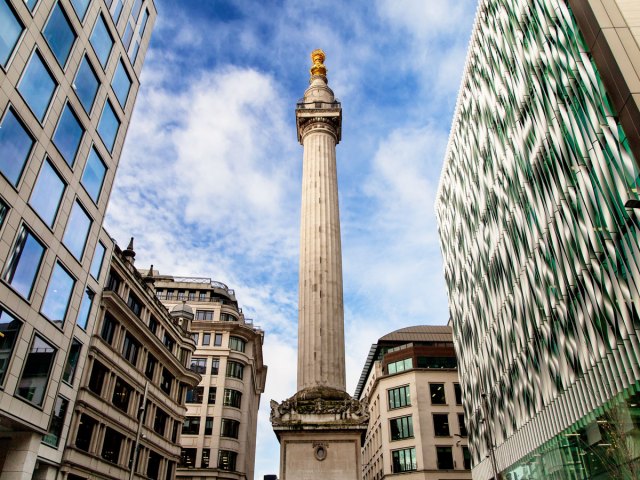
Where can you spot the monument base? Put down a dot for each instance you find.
(321, 431)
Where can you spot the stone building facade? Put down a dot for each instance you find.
(417, 426)
(69, 76)
(219, 433)
(135, 379)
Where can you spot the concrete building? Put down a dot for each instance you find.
(219, 433)
(132, 393)
(320, 428)
(69, 76)
(538, 220)
(416, 421)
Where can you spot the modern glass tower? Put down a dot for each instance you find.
(539, 227)
(69, 76)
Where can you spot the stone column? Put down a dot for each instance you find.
(21, 456)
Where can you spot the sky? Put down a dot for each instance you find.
(209, 182)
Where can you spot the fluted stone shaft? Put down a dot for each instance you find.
(321, 312)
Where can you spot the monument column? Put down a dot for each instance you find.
(320, 306)
(321, 427)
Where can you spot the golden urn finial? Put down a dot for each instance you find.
(318, 68)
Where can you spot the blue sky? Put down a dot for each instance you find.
(209, 180)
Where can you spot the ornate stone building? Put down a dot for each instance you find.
(69, 76)
(131, 397)
(411, 388)
(218, 437)
(539, 224)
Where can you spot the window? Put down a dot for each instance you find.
(47, 193)
(98, 258)
(215, 365)
(206, 453)
(169, 342)
(72, 361)
(98, 377)
(151, 366)
(134, 304)
(403, 460)
(437, 362)
(399, 397)
(466, 457)
(121, 83)
(93, 175)
(235, 369)
(195, 395)
(114, 281)
(462, 425)
(441, 424)
(192, 296)
(191, 426)
(153, 465)
(11, 29)
(188, 457)
(232, 398)
(204, 314)
(195, 337)
(101, 41)
(85, 309)
(108, 328)
(59, 34)
(181, 295)
(206, 339)
(116, 10)
(202, 297)
(198, 365)
(15, 145)
(121, 395)
(458, 391)
(111, 445)
(3, 211)
(212, 395)
(135, 11)
(229, 428)
(80, 6)
(37, 86)
(37, 368)
(217, 342)
(400, 365)
(444, 456)
(56, 300)
(169, 295)
(128, 35)
(10, 328)
(130, 349)
(56, 424)
(86, 84)
(227, 460)
(227, 317)
(108, 126)
(208, 426)
(236, 343)
(437, 394)
(167, 381)
(85, 431)
(160, 421)
(75, 235)
(401, 427)
(24, 262)
(153, 325)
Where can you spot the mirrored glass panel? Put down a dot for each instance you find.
(93, 175)
(75, 236)
(68, 134)
(46, 194)
(59, 34)
(24, 262)
(80, 6)
(108, 126)
(56, 300)
(86, 84)
(85, 309)
(37, 369)
(15, 144)
(37, 86)
(121, 83)
(10, 31)
(10, 329)
(101, 41)
(98, 258)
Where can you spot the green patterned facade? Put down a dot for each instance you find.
(539, 227)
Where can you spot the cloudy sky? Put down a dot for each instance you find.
(210, 178)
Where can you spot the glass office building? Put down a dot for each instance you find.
(538, 218)
(69, 75)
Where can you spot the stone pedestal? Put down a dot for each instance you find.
(320, 431)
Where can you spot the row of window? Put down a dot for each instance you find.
(226, 459)
(401, 396)
(229, 428)
(422, 362)
(192, 295)
(234, 369)
(232, 398)
(235, 343)
(404, 460)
